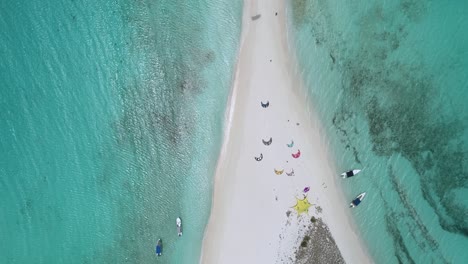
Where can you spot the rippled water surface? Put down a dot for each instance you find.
(110, 126)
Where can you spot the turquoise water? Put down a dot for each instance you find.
(390, 81)
(110, 126)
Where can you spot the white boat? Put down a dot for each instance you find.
(350, 173)
(179, 226)
(358, 200)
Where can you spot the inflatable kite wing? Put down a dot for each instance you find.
(291, 145)
(297, 155)
(259, 158)
(279, 172)
(265, 105)
(267, 143)
(290, 173)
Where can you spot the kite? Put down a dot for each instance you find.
(302, 205)
(265, 105)
(259, 158)
(290, 145)
(291, 173)
(279, 172)
(267, 143)
(297, 155)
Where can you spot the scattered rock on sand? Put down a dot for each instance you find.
(318, 246)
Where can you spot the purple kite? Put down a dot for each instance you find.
(306, 189)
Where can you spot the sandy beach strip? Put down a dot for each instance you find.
(252, 219)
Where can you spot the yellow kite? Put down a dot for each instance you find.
(302, 205)
(279, 172)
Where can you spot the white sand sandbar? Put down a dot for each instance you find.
(248, 221)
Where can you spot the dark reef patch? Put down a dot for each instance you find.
(318, 245)
(156, 125)
(413, 214)
(402, 254)
(407, 122)
(398, 97)
(340, 122)
(406, 125)
(299, 10)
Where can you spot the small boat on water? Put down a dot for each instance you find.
(179, 226)
(358, 200)
(350, 173)
(159, 247)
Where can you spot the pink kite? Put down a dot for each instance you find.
(297, 155)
